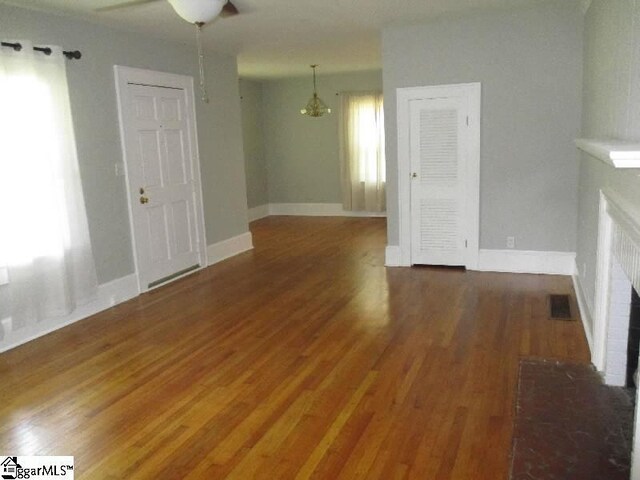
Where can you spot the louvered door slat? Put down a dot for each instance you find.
(438, 147)
(438, 225)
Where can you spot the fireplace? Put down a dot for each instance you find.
(617, 276)
(618, 273)
(619, 329)
(633, 343)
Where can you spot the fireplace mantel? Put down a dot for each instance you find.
(616, 153)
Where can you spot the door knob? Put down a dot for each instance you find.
(141, 190)
(414, 175)
(144, 200)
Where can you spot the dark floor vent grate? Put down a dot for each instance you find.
(560, 307)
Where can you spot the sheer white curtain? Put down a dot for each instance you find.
(46, 262)
(362, 152)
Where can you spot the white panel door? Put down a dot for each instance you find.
(162, 183)
(438, 152)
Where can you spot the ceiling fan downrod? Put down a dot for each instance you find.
(203, 87)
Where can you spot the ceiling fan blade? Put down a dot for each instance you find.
(229, 10)
(131, 3)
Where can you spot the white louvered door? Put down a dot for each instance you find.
(438, 144)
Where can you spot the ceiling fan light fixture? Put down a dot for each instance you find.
(315, 106)
(198, 11)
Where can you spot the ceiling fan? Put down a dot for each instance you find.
(228, 8)
(196, 12)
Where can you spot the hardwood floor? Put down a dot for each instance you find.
(304, 358)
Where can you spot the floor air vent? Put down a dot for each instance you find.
(560, 307)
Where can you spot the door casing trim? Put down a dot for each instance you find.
(472, 91)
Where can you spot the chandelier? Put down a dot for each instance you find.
(315, 106)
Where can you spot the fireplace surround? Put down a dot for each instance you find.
(618, 270)
(617, 273)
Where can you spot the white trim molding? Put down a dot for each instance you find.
(602, 287)
(527, 261)
(230, 247)
(404, 97)
(393, 256)
(585, 311)
(616, 153)
(318, 210)
(306, 210)
(109, 295)
(509, 261)
(256, 213)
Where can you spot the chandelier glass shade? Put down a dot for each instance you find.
(315, 106)
(198, 11)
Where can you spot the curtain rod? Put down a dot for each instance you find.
(74, 54)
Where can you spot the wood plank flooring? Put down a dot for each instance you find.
(304, 358)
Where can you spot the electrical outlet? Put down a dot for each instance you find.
(511, 242)
(119, 167)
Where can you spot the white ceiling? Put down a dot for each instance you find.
(278, 38)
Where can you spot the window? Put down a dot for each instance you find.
(46, 263)
(31, 190)
(362, 152)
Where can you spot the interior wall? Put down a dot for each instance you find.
(255, 161)
(93, 103)
(529, 61)
(303, 164)
(611, 110)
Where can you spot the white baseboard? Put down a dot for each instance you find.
(585, 312)
(256, 213)
(306, 210)
(120, 290)
(525, 261)
(229, 247)
(318, 210)
(109, 294)
(510, 261)
(392, 256)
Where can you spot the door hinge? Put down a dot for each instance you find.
(467, 121)
(465, 244)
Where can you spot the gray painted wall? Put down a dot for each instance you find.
(302, 152)
(93, 104)
(611, 109)
(255, 161)
(530, 64)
